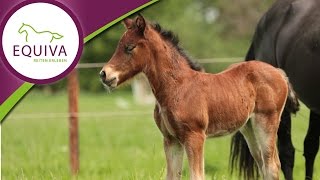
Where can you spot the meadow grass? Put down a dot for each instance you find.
(124, 146)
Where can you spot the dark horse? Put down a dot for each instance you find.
(288, 37)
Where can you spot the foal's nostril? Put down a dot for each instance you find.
(102, 75)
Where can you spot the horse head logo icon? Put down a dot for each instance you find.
(31, 34)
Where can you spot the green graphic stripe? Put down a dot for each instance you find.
(13, 99)
(23, 89)
(92, 35)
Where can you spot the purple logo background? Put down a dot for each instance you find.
(69, 69)
(91, 14)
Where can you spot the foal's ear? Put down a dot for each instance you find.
(140, 23)
(127, 23)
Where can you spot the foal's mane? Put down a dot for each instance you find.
(174, 40)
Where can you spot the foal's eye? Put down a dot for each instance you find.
(129, 48)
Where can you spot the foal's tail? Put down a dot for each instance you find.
(292, 103)
(240, 156)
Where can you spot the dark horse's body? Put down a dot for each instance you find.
(288, 36)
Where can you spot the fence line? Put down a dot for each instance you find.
(81, 114)
(201, 61)
(93, 114)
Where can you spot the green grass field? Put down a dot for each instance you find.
(118, 140)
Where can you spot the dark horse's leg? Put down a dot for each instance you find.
(311, 143)
(285, 146)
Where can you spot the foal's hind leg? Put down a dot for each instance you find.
(174, 156)
(286, 149)
(265, 129)
(251, 140)
(311, 143)
(261, 134)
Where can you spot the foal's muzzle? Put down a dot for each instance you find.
(109, 81)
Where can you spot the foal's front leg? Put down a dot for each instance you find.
(194, 148)
(174, 156)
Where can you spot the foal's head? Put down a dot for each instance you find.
(131, 55)
(137, 50)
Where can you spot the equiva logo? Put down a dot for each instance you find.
(38, 50)
(41, 41)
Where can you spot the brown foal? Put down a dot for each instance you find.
(193, 105)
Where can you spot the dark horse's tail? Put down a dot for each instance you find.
(240, 157)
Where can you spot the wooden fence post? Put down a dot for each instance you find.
(73, 92)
